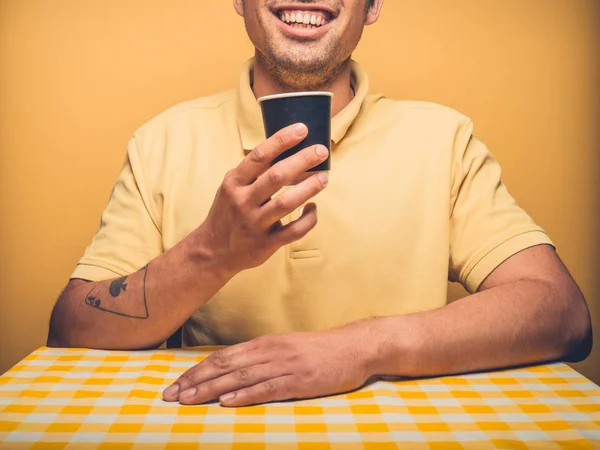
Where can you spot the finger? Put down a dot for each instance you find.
(290, 200)
(286, 171)
(259, 159)
(276, 389)
(297, 229)
(239, 379)
(217, 364)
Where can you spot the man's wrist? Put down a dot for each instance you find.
(204, 257)
(392, 346)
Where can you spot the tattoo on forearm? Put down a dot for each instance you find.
(117, 285)
(113, 304)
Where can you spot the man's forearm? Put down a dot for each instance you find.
(516, 323)
(140, 310)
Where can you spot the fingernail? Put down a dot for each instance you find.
(323, 177)
(227, 397)
(171, 391)
(321, 151)
(189, 394)
(299, 129)
(311, 207)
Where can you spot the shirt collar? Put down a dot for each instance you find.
(249, 115)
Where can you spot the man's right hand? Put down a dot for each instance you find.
(243, 228)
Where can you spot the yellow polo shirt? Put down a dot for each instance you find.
(414, 200)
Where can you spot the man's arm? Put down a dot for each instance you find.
(242, 230)
(528, 310)
(140, 310)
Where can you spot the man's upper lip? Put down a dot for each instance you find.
(306, 7)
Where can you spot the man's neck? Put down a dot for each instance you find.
(265, 84)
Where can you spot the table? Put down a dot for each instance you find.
(91, 399)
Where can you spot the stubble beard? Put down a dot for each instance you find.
(292, 75)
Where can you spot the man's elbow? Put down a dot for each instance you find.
(59, 331)
(54, 342)
(578, 337)
(56, 339)
(56, 332)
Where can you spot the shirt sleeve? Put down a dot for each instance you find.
(129, 233)
(487, 226)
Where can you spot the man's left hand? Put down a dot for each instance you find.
(280, 367)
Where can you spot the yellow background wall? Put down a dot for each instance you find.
(77, 77)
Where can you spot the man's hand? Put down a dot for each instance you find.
(280, 367)
(243, 227)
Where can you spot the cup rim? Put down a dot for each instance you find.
(295, 94)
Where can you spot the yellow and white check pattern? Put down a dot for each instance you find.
(59, 399)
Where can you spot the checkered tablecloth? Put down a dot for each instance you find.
(90, 399)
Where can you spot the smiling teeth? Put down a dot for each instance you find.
(303, 19)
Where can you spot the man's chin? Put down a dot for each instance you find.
(305, 80)
(304, 66)
(300, 71)
(308, 69)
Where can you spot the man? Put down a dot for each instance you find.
(414, 200)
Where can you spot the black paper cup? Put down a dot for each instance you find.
(310, 108)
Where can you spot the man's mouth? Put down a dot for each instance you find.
(300, 18)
